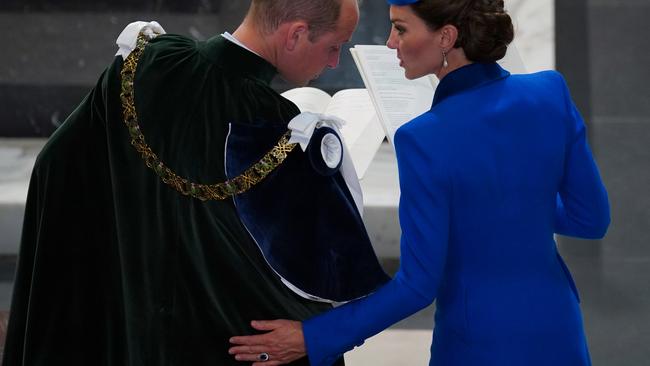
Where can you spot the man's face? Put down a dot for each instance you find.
(308, 59)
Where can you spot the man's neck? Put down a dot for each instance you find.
(253, 39)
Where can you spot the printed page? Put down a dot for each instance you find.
(308, 99)
(396, 99)
(363, 134)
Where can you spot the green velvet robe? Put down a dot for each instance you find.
(115, 267)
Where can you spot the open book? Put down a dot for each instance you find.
(362, 132)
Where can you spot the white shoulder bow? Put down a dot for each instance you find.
(127, 40)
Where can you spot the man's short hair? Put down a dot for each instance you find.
(321, 15)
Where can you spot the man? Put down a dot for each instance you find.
(169, 209)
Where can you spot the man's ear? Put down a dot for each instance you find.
(295, 33)
(448, 36)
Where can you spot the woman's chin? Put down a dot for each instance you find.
(411, 75)
(407, 73)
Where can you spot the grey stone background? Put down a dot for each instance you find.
(53, 51)
(603, 50)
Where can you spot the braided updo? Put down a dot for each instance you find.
(484, 27)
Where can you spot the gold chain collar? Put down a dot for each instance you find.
(204, 192)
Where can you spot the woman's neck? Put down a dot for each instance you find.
(455, 60)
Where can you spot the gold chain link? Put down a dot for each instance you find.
(204, 192)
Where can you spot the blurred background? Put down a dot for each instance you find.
(54, 50)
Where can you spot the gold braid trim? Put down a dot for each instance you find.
(204, 192)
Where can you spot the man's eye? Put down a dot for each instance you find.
(399, 29)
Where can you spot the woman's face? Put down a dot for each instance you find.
(417, 46)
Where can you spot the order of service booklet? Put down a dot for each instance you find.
(396, 99)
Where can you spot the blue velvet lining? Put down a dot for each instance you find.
(315, 155)
(305, 223)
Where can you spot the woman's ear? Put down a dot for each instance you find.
(448, 36)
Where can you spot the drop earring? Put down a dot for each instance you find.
(445, 64)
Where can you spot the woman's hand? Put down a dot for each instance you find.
(283, 343)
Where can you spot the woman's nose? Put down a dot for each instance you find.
(390, 42)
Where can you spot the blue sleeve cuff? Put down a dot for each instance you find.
(316, 344)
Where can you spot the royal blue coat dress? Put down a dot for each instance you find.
(496, 167)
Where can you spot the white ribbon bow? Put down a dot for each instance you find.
(302, 128)
(128, 39)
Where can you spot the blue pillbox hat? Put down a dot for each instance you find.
(402, 2)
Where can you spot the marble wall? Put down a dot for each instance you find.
(534, 22)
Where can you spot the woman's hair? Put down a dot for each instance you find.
(484, 28)
(322, 16)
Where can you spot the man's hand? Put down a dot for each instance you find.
(283, 343)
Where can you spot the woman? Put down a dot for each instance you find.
(497, 166)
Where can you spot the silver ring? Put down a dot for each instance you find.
(263, 357)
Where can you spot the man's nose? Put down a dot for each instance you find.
(333, 62)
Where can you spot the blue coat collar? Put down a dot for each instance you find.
(467, 77)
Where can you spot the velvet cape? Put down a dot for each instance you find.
(117, 268)
(304, 219)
